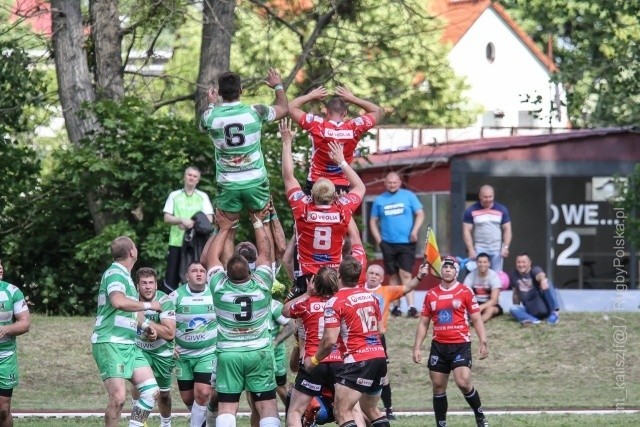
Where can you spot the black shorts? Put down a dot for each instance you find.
(398, 256)
(322, 376)
(365, 377)
(299, 287)
(446, 357)
(339, 188)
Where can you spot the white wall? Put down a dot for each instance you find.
(514, 72)
(570, 300)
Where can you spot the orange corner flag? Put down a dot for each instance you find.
(432, 254)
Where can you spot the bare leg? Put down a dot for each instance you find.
(345, 399)
(6, 419)
(116, 389)
(297, 406)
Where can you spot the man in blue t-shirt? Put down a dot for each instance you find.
(396, 217)
(486, 227)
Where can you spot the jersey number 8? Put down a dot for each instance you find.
(322, 238)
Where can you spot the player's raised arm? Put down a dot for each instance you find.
(374, 110)
(336, 154)
(286, 133)
(215, 245)
(295, 106)
(274, 81)
(263, 243)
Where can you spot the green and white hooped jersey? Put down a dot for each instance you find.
(196, 325)
(244, 310)
(277, 319)
(113, 325)
(182, 205)
(12, 302)
(236, 130)
(159, 347)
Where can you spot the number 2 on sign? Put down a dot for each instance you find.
(368, 318)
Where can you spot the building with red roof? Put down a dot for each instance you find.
(559, 189)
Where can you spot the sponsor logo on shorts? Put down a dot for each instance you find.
(366, 383)
(459, 358)
(310, 386)
(433, 360)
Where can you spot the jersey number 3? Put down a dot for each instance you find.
(246, 312)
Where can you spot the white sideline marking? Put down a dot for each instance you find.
(397, 414)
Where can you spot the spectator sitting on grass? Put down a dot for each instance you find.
(486, 286)
(537, 295)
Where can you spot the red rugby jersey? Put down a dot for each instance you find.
(311, 312)
(448, 310)
(357, 313)
(322, 132)
(320, 230)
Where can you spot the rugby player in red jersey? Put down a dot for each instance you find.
(448, 305)
(322, 219)
(351, 319)
(334, 127)
(309, 308)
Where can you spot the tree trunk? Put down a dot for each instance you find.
(75, 84)
(72, 70)
(107, 39)
(215, 52)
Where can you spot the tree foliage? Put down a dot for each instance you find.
(596, 46)
(21, 87)
(130, 128)
(629, 201)
(132, 166)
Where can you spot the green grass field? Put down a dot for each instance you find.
(577, 364)
(454, 421)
